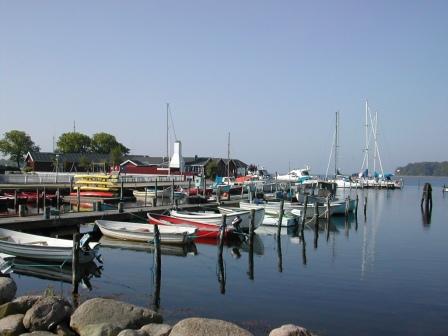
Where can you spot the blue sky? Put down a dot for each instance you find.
(272, 73)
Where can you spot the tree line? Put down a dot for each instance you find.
(16, 144)
(424, 169)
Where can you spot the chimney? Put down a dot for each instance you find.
(177, 161)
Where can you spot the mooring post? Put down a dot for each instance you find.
(280, 216)
(250, 272)
(218, 195)
(347, 206)
(365, 206)
(78, 199)
(305, 206)
(15, 200)
(146, 196)
(155, 193)
(356, 205)
(157, 267)
(316, 211)
(316, 223)
(120, 207)
(44, 200)
(121, 190)
(427, 196)
(58, 196)
(189, 186)
(37, 200)
(75, 263)
(172, 192)
(222, 233)
(328, 218)
(204, 192)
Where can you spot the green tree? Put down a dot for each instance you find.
(73, 142)
(211, 170)
(16, 144)
(104, 143)
(116, 155)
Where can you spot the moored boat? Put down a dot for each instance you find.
(37, 247)
(204, 230)
(145, 232)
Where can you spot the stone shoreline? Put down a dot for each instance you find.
(48, 315)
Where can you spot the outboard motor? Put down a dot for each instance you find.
(236, 223)
(84, 242)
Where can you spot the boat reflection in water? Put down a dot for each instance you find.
(173, 250)
(51, 271)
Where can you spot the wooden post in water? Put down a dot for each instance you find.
(222, 233)
(78, 199)
(365, 207)
(280, 216)
(316, 223)
(157, 267)
(37, 200)
(172, 192)
(218, 195)
(58, 196)
(121, 190)
(146, 196)
(316, 211)
(305, 206)
(120, 207)
(356, 205)
(347, 206)
(204, 192)
(155, 193)
(328, 218)
(15, 200)
(75, 263)
(427, 197)
(44, 200)
(250, 272)
(189, 186)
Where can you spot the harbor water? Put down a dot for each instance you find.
(385, 273)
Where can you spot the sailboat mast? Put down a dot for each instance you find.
(228, 155)
(167, 132)
(367, 137)
(375, 149)
(336, 145)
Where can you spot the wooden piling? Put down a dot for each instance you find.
(121, 190)
(75, 263)
(120, 207)
(37, 200)
(280, 216)
(305, 206)
(15, 200)
(218, 195)
(356, 205)
(172, 192)
(251, 244)
(58, 198)
(427, 197)
(155, 193)
(347, 206)
(157, 267)
(44, 200)
(365, 206)
(204, 191)
(189, 186)
(328, 218)
(78, 199)
(222, 233)
(146, 196)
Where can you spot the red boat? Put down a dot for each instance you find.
(204, 230)
(92, 193)
(199, 191)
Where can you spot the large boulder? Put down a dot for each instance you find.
(8, 289)
(47, 312)
(18, 306)
(38, 333)
(131, 332)
(154, 329)
(12, 325)
(203, 327)
(290, 330)
(111, 312)
(63, 329)
(100, 329)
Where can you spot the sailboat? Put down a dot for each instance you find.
(377, 180)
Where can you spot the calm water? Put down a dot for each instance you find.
(386, 274)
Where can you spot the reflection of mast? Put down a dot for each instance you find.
(336, 145)
(369, 236)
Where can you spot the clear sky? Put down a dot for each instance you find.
(272, 73)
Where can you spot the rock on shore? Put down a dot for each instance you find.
(196, 326)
